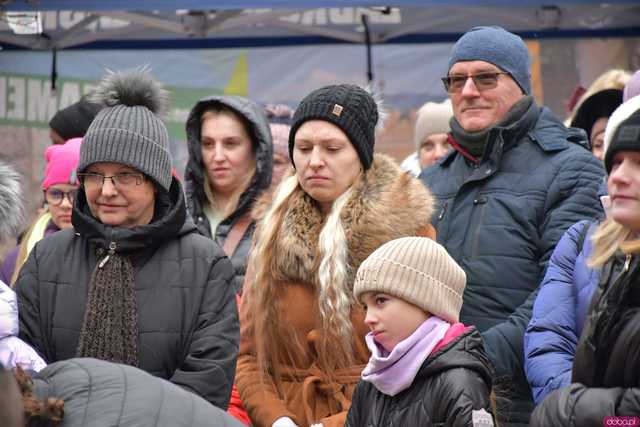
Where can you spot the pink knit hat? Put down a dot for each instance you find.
(62, 162)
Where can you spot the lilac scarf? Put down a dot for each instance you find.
(394, 372)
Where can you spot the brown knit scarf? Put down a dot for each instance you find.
(110, 327)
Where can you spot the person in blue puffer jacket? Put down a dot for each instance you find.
(559, 312)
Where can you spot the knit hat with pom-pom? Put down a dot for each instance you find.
(128, 130)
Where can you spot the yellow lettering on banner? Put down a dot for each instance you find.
(239, 81)
(16, 98)
(536, 71)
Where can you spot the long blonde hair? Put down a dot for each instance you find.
(332, 290)
(610, 237)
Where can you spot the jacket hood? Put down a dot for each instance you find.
(11, 207)
(8, 312)
(169, 221)
(260, 135)
(464, 351)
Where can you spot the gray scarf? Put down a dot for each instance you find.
(476, 142)
(110, 327)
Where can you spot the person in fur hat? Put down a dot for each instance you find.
(133, 282)
(302, 335)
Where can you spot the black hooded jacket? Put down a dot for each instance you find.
(188, 328)
(194, 175)
(451, 384)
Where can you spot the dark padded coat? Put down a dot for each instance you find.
(501, 219)
(194, 178)
(188, 327)
(606, 369)
(98, 393)
(451, 383)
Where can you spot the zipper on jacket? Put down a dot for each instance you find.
(112, 250)
(627, 262)
(442, 211)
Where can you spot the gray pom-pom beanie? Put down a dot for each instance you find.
(128, 130)
(499, 47)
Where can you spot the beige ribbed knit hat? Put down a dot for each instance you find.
(433, 117)
(417, 270)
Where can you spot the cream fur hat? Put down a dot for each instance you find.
(417, 270)
(433, 117)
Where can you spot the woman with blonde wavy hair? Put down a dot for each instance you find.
(605, 376)
(302, 333)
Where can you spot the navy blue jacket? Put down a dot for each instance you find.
(500, 220)
(559, 312)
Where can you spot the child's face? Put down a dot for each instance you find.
(391, 319)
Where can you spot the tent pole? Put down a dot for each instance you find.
(367, 39)
(54, 69)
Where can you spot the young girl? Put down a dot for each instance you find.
(425, 368)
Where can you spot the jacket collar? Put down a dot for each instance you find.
(386, 203)
(170, 219)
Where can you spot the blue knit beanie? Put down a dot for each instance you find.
(499, 47)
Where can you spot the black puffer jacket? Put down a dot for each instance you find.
(187, 317)
(451, 384)
(98, 393)
(500, 220)
(194, 178)
(606, 367)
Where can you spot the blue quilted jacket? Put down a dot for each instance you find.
(559, 312)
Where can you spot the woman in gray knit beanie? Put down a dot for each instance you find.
(134, 283)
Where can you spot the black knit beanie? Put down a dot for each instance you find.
(73, 121)
(349, 107)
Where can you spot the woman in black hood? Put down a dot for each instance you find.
(230, 165)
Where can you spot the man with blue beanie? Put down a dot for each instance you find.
(515, 180)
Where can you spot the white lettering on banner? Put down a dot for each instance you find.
(16, 110)
(64, 20)
(68, 19)
(314, 17)
(341, 16)
(3, 97)
(338, 16)
(42, 104)
(70, 94)
(31, 100)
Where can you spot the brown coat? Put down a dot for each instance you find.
(386, 204)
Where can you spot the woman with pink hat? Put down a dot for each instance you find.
(59, 186)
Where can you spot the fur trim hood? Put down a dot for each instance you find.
(11, 206)
(386, 203)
